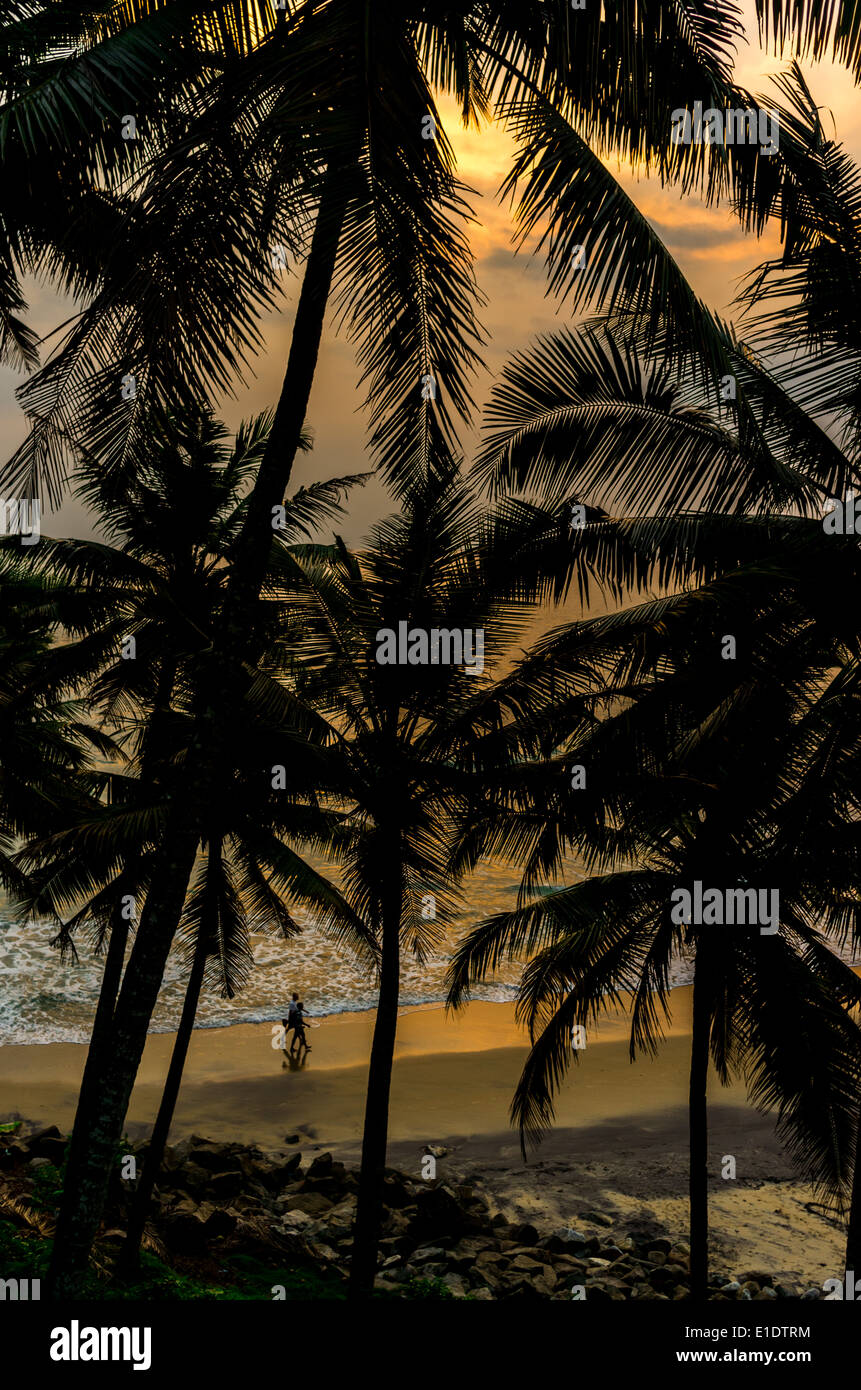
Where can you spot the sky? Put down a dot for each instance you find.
(708, 244)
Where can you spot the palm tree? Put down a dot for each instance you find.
(718, 493)
(676, 789)
(161, 583)
(401, 754)
(46, 743)
(275, 125)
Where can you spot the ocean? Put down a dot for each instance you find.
(43, 1000)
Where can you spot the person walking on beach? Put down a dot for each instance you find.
(299, 1028)
(290, 1021)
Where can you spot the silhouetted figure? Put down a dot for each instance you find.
(299, 1029)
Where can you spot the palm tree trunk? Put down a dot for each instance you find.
(699, 1136)
(108, 991)
(130, 1256)
(853, 1233)
(98, 1127)
(369, 1206)
(119, 933)
(101, 1113)
(255, 541)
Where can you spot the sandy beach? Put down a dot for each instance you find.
(618, 1147)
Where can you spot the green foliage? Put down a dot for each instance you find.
(433, 1289)
(47, 1188)
(25, 1254)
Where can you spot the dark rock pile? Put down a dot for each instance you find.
(218, 1197)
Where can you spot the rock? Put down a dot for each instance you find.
(565, 1241)
(482, 1295)
(334, 1186)
(787, 1290)
(427, 1254)
(36, 1163)
(311, 1203)
(658, 1257)
(192, 1178)
(811, 1294)
(223, 1186)
(532, 1286)
(385, 1285)
(438, 1213)
(292, 1139)
(274, 1171)
(322, 1166)
(597, 1218)
(491, 1259)
(604, 1292)
(293, 1221)
(33, 1140)
(732, 1286)
(455, 1284)
(217, 1221)
(49, 1146)
(184, 1233)
(215, 1158)
(435, 1150)
(486, 1275)
(758, 1276)
(525, 1234)
(570, 1236)
(396, 1194)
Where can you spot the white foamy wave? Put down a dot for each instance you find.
(43, 999)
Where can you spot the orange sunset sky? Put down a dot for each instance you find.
(706, 242)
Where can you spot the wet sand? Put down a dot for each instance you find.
(619, 1144)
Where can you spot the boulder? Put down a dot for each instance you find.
(193, 1179)
(396, 1193)
(427, 1254)
(223, 1186)
(311, 1203)
(597, 1218)
(524, 1234)
(323, 1165)
(757, 1276)
(215, 1158)
(54, 1149)
(438, 1213)
(183, 1231)
(217, 1221)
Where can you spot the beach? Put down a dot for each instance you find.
(618, 1147)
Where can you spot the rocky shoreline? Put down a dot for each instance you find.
(440, 1238)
